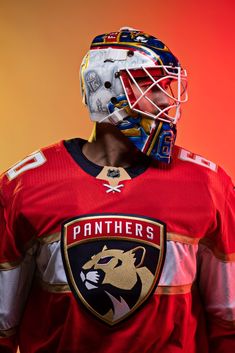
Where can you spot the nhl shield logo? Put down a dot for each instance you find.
(113, 262)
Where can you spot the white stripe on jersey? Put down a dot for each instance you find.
(179, 267)
(50, 265)
(180, 264)
(217, 284)
(14, 288)
(216, 278)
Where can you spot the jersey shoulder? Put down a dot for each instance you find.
(32, 168)
(198, 167)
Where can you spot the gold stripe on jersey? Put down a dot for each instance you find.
(54, 288)
(5, 266)
(182, 238)
(217, 253)
(50, 238)
(7, 333)
(168, 290)
(29, 249)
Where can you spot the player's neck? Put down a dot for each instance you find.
(111, 148)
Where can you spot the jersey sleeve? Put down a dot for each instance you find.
(217, 271)
(16, 273)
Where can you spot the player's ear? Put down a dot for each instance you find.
(139, 254)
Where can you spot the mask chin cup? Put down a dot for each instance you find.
(156, 142)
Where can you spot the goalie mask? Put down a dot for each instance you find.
(132, 80)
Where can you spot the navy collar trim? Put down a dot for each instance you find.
(74, 148)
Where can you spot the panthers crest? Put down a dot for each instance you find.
(113, 262)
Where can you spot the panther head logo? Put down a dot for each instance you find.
(113, 262)
(121, 276)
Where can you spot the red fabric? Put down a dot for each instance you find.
(59, 326)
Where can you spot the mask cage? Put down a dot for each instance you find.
(143, 85)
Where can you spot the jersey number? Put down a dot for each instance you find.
(194, 158)
(34, 160)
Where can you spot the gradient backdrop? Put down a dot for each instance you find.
(42, 44)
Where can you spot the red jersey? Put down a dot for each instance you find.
(116, 260)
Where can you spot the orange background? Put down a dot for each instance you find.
(43, 42)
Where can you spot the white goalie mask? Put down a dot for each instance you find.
(121, 74)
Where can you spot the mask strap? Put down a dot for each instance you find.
(93, 134)
(116, 116)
